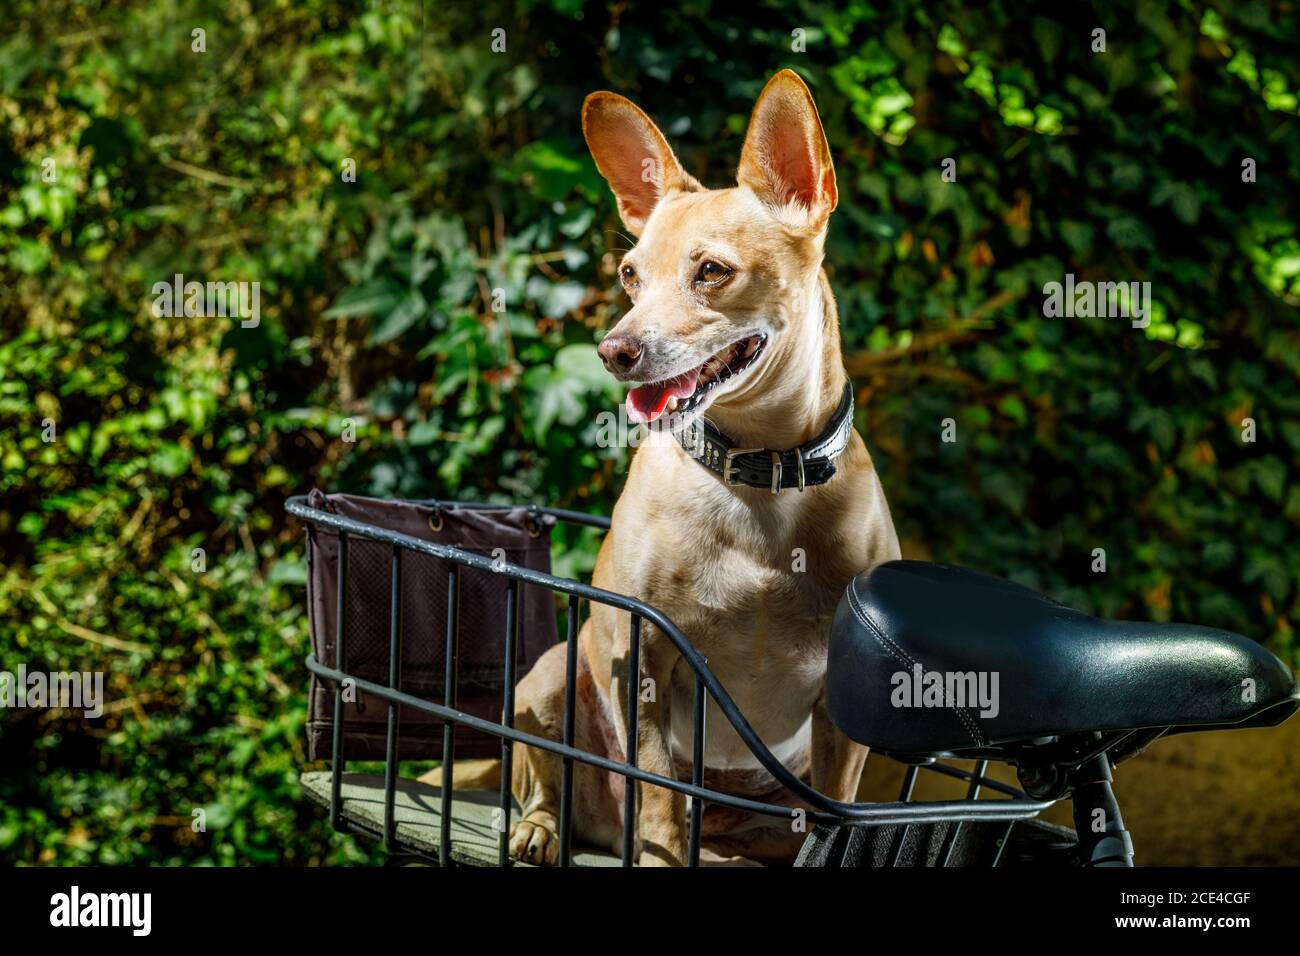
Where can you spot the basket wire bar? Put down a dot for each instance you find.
(340, 658)
(1002, 845)
(861, 814)
(823, 809)
(560, 514)
(508, 720)
(904, 796)
(697, 775)
(394, 681)
(566, 764)
(449, 727)
(633, 692)
(972, 793)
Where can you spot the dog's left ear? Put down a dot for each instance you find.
(785, 158)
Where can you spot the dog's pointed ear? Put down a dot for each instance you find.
(785, 158)
(632, 155)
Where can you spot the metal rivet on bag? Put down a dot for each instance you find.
(435, 521)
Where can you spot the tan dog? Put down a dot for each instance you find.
(732, 315)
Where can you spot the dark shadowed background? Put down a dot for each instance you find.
(471, 176)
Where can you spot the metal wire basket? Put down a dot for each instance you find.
(372, 808)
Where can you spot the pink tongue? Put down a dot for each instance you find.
(645, 403)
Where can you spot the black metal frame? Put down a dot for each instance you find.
(824, 810)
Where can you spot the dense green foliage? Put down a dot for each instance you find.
(377, 312)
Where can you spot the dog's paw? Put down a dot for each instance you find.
(534, 839)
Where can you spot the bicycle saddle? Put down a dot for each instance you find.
(928, 658)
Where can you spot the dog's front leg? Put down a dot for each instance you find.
(837, 761)
(661, 813)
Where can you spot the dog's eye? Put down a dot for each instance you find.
(628, 275)
(711, 273)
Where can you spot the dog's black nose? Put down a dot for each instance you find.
(620, 352)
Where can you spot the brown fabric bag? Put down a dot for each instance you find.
(526, 540)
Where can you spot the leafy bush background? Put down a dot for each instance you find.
(472, 176)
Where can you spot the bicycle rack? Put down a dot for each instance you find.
(903, 813)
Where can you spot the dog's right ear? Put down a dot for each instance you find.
(632, 155)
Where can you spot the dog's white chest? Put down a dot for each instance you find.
(765, 638)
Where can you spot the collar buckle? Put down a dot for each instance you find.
(730, 457)
(776, 472)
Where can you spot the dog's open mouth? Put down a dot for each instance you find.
(685, 392)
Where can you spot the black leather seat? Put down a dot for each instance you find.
(1058, 671)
